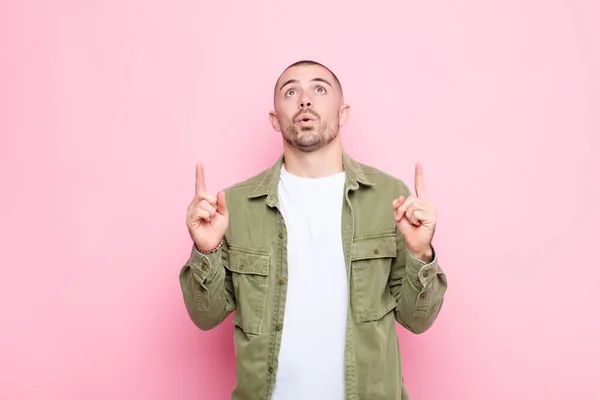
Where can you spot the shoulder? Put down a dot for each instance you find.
(246, 187)
(384, 181)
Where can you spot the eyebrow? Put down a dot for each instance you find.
(312, 80)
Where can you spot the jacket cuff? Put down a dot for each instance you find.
(203, 265)
(419, 271)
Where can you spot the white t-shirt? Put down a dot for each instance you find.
(311, 358)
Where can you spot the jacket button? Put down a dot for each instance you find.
(242, 267)
(423, 295)
(281, 235)
(271, 369)
(281, 281)
(204, 266)
(278, 327)
(375, 251)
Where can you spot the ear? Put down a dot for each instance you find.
(344, 114)
(274, 121)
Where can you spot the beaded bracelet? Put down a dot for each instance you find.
(211, 250)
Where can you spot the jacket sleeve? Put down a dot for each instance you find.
(207, 287)
(419, 288)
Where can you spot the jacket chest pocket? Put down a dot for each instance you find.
(249, 275)
(371, 264)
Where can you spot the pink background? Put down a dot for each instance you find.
(105, 106)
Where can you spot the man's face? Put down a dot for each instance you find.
(309, 108)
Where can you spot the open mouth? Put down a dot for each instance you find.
(305, 119)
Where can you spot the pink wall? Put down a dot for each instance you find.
(106, 106)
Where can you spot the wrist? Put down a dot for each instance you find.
(423, 255)
(208, 250)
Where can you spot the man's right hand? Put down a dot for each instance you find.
(207, 218)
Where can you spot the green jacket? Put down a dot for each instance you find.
(248, 274)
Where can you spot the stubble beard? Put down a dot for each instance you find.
(310, 139)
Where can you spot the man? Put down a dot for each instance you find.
(318, 255)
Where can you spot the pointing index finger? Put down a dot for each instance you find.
(200, 182)
(420, 182)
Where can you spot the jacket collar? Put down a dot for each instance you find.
(269, 183)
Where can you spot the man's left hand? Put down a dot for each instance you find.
(416, 218)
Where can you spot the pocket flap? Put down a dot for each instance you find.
(374, 247)
(248, 262)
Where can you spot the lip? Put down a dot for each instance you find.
(302, 117)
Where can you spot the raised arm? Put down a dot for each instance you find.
(416, 280)
(205, 282)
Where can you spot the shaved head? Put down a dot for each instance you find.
(308, 104)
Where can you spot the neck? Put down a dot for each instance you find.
(318, 164)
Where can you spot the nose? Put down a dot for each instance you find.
(305, 102)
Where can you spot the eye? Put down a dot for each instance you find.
(321, 90)
(290, 92)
